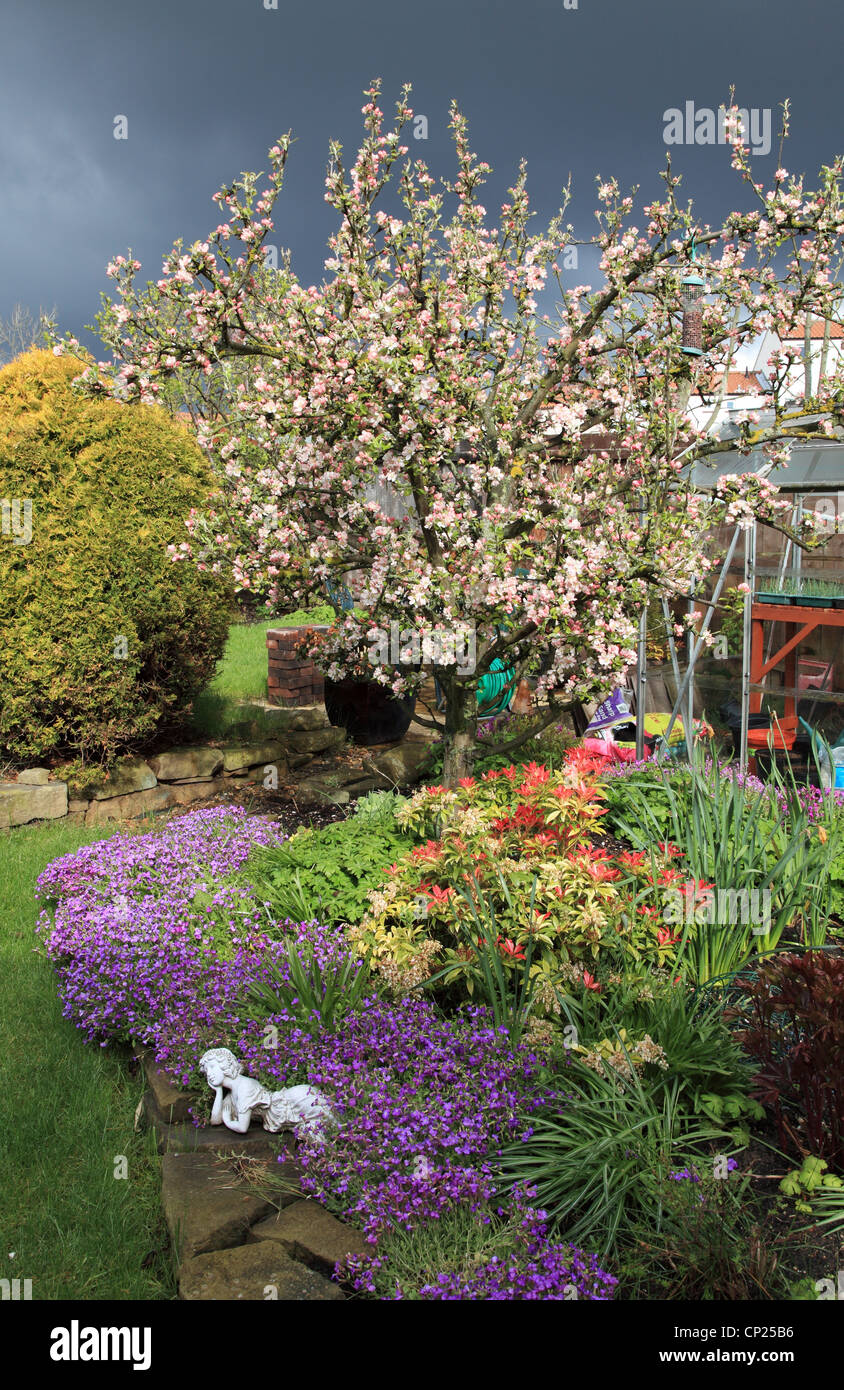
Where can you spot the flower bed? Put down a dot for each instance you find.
(152, 944)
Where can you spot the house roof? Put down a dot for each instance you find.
(738, 384)
(741, 383)
(816, 330)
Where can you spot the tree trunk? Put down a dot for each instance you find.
(460, 744)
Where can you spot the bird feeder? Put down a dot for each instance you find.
(692, 291)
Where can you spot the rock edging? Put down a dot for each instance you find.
(231, 1242)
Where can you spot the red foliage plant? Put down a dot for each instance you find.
(794, 1016)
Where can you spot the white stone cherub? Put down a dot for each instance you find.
(237, 1096)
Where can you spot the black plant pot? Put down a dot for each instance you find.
(369, 712)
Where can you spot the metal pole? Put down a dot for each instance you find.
(641, 665)
(750, 581)
(641, 682)
(672, 646)
(690, 699)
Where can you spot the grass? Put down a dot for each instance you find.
(242, 672)
(76, 1230)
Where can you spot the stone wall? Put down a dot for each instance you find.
(291, 679)
(135, 787)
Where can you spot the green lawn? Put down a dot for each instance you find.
(242, 671)
(68, 1111)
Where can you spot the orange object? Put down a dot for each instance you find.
(781, 735)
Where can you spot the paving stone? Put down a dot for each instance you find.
(180, 763)
(127, 775)
(34, 777)
(311, 1234)
(252, 1273)
(20, 803)
(205, 1206)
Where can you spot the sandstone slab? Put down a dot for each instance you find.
(316, 740)
(126, 807)
(253, 1273)
(172, 1102)
(34, 777)
(315, 789)
(21, 803)
(128, 775)
(250, 755)
(178, 764)
(205, 1206)
(188, 1138)
(401, 765)
(285, 718)
(311, 1234)
(183, 793)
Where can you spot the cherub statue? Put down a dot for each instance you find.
(237, 1096)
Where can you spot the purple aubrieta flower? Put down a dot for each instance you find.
(154, 939)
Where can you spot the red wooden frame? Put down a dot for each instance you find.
(805, 620)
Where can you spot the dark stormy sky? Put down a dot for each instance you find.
(207, 85)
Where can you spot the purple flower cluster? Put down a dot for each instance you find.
(424, 1104)
(689, 1174)
(529, 1265)
(152, 944)
(144, 940)
(541, 1268)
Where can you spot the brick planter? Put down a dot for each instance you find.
(291, 679)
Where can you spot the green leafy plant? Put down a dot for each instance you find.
(736, 843)
(812, 1179)
(509, 994)
(514, 850)
(600, 1163)
(319, 990)
(378, 810)
(711, 1243)
(325, 874)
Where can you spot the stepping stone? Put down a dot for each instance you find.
(206, 1207)
(311, 1234)
(253, 1273)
